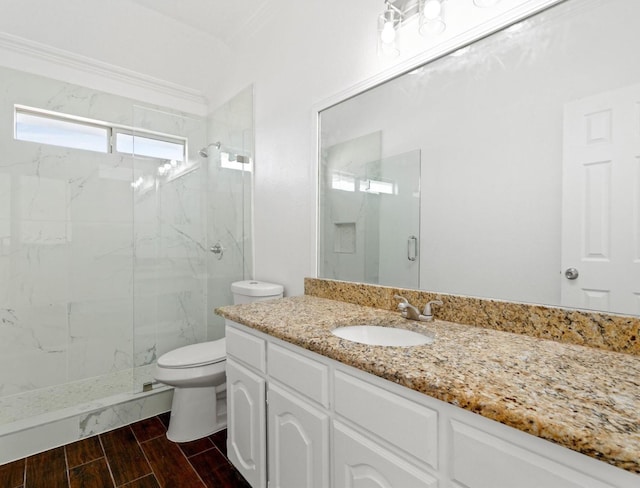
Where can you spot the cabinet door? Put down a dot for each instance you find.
(361, 463)
(246, 434)
(298, 442)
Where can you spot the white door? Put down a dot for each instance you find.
(298, 442)
(246, 434)
(601, 202)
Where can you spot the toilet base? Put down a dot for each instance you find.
(195, 413)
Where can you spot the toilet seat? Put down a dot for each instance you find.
(194, 355)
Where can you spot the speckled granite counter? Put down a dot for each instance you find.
(582, 398)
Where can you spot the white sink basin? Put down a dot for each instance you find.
(377, 335)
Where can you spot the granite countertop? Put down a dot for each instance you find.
(582, 398)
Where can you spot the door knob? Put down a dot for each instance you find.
(571, 273)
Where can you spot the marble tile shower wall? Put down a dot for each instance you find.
(83, 259)
(229, 205)
(170, 276)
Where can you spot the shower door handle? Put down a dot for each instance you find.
(412, 248)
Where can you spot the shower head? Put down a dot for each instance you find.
(204, 151)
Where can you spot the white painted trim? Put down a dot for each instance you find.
(527, 9)
(41, 59)
(314, 178)
(516, 14)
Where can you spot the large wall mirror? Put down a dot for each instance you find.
(508, 169)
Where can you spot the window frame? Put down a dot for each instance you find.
(111, 131)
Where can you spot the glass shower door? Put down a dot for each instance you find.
(169, 208)
(369, 214)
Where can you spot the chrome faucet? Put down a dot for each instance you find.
(410, 312)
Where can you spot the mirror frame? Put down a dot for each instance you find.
(439, 49)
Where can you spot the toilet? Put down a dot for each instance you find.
(197, 373)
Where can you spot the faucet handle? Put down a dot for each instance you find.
(402, 306)
(427, 308)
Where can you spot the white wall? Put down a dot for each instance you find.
(307, 54)
(121, 33)
(491, 185)
(316, 50)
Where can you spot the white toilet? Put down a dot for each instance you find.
(197, 373)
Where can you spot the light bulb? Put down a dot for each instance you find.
(388, 34)
(432, 9)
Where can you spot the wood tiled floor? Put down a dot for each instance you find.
(136, 456)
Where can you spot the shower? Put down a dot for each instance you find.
(204, 152)
(81, 327)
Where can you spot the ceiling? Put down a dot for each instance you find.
(225, 20)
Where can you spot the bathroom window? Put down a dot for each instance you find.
(235, 161)
(343, 181)
(158, 147)
(377, 186)
(58, 129)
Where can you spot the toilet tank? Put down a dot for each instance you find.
(255, 291)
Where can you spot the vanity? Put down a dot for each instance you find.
(499, 174)
(476, 408)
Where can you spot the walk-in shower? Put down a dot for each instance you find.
(228, 155)
(104, 261)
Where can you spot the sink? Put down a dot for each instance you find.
(377, 335)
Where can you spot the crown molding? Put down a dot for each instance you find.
(261, 16)
(37, 58)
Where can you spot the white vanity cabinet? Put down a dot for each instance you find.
(360, 462)
(330, 425)
(381, 439)
(246, 404)
(288, 401)
(298, 441)
(298, 420)
(482, 459)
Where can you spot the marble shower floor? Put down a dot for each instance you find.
(135, 456)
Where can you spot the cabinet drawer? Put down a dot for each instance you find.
(398, 421)
(247, 348)
(483, 460)
(308, 377)
(359, 462)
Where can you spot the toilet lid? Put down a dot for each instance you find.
(194, 355)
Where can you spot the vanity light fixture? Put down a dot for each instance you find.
(430, 14)
(388, 22)
(431, 18)
(399, 12)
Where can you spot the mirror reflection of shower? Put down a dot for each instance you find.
(229, 157)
